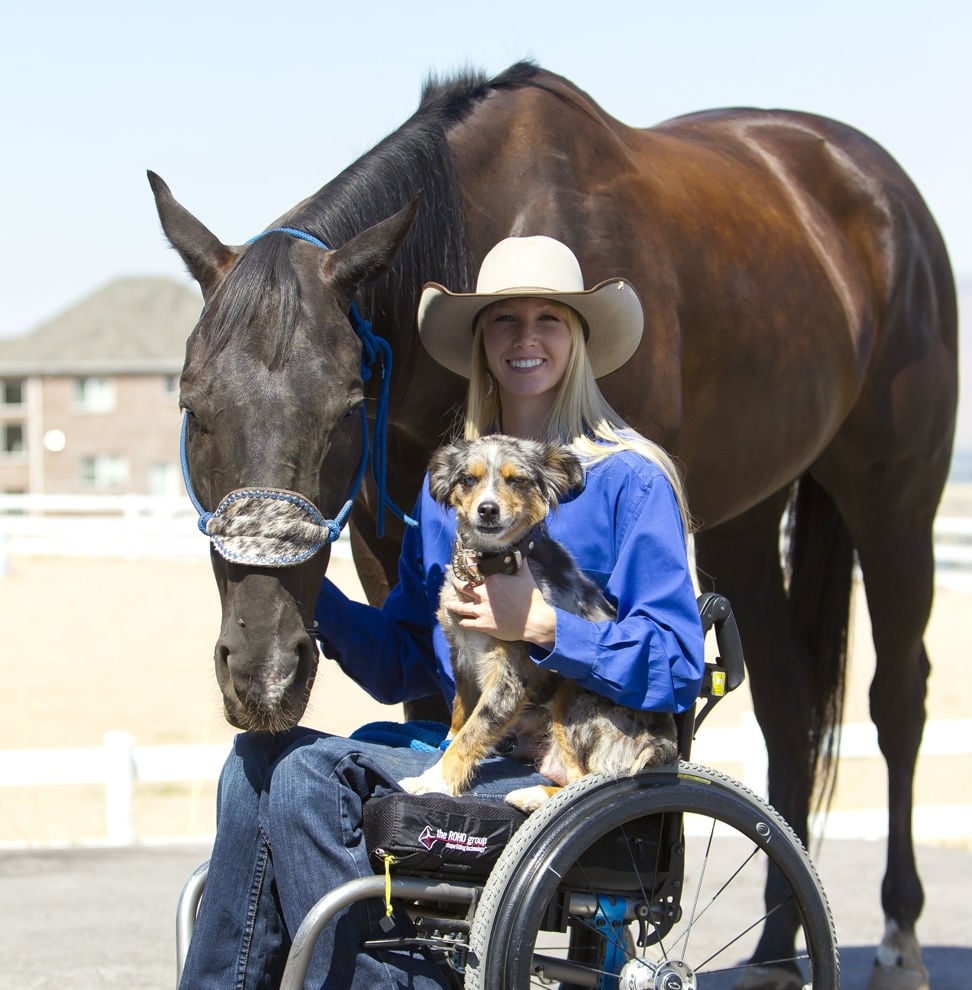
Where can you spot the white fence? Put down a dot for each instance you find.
(134, 526)
(125, 526)
(99, 526)
(120, 763)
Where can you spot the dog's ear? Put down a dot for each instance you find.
(563, 472)
(442, 472)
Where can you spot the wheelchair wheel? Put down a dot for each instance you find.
(651, 882)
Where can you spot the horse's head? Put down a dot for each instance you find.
(273, 395)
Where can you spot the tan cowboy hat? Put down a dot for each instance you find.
(533, 267)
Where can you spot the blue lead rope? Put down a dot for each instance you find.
(374, 350)
(377, 349)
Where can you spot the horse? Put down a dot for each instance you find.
(799, 360)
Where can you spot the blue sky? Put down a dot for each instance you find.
(245, 108)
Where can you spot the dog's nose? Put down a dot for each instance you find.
(488, 512)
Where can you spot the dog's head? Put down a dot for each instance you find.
(501, 486)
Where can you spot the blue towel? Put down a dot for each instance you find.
(427, 737)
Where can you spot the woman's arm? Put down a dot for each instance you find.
(651, 657)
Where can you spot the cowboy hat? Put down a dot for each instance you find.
(534, 267)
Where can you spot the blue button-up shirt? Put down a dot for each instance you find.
(625, 531)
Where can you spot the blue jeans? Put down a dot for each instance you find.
(288, 830)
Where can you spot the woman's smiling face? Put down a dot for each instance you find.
(527, 344)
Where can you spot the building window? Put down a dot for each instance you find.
(164, 479)
(12, 439)
(170, 386)
(12, 392)
(94, 395)
(105, 471)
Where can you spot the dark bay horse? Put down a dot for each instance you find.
(799, 354)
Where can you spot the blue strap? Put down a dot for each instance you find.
(377, 349)
(204, 516)
(294, 232)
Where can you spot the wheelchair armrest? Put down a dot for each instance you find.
(715, 611)
(722, 675)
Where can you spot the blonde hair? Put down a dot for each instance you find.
(580, 417)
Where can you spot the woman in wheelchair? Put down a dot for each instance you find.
(289, 818)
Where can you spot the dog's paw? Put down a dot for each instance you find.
(411, 784)
(430, 782)
(528, 799)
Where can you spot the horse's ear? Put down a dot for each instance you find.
(369, 253)
(206, 257)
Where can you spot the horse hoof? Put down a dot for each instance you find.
(769, 978)
(898, 965)
(897, 978)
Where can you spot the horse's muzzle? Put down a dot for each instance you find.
(269, 696)
(265, 657)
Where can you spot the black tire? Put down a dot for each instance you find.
(706, 900)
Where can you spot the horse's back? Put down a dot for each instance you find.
(769, 247)
(700, 173)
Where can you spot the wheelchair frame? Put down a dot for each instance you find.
(530, 885)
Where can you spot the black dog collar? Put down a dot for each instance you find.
(477, 565)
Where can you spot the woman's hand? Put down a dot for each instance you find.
(508, 607)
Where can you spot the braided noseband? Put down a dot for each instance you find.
(273, 527)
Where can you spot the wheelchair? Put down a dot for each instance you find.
(647, 882)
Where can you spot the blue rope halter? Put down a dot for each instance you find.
(374, 350)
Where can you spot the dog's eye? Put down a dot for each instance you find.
(517, 481)
(467, 480)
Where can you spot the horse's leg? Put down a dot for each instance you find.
(741, 559)
(371, 571)
(893, 535)
(899, 602)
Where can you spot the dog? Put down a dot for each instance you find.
(502, 489)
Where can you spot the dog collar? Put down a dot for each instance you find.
(475, 566)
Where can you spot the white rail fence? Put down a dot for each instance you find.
(119, 764)
(125, 526)
(135, 526)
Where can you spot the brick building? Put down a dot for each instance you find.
(89, 399)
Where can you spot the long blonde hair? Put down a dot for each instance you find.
(580, 416)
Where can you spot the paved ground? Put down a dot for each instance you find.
(103, 919)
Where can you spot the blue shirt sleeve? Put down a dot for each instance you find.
(629, 539)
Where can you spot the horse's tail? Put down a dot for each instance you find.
(819, 565)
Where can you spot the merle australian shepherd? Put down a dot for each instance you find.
(502, 489)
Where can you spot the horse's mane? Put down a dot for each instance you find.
(262, 286)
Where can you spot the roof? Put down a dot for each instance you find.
(130, 326)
